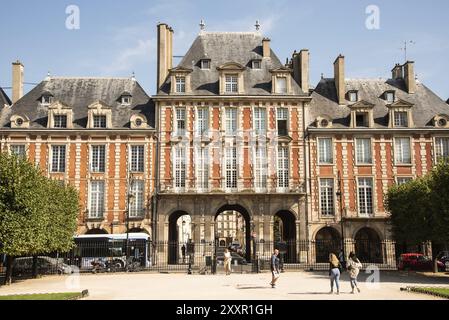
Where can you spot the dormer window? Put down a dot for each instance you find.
(401, 119)
(205, 64)
(99, 121)
(281, 85)
(126, 100)
(18, 121)
(60, 121)
(390, 96)
(353, 96)
(361, 120)
(232, 83)
(180, 84)
(257, 64)
(46, 100)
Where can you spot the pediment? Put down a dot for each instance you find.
(180, 69)
(401, 103)
(281, 69)
(59, 105)
(99, 105)
(362, 104)
(231, 66)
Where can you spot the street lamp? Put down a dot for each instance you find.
(339, 195)
(131, 198)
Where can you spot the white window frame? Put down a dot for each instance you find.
(260, 167)
(97, 202)
(231, 122)
(257, 65)
(353, 94)
(399, 153)
(180, 117)
(326, 197)
(231, 174)
(14, 149)
(281, 89)
(137, 158)
(202, 121)
(387, 94)
(60, 124)
(282, 114)
(368, 158)
(126, 100)
(97, 121)
(260, 120)
(231, 83)
(98, 158)
(205, 64)
(439, 148)
(366, 210)
(400, 180)
(58, 158)
(180, 84)
(137, 207)
(283, 168)
(329, 156)
(202, 168)
(179, 168)
(400, 121)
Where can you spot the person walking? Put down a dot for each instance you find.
(274, 268)
(334, 272)
(354, 266)
(227, 261)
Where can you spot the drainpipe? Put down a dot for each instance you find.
(157, 178)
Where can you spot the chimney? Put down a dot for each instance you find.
(300, 66)
(164, 52)
(409, 76)
(266, 48)
(17, 81)
(339, 78)
(396, 73)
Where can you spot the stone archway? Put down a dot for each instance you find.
(176, 241)
(96, 231)
(246, 233)
(327, 240)
(368, 247)
(285, 235)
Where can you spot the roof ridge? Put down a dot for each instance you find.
(92, 78)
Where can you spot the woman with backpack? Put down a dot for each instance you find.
(354, 266)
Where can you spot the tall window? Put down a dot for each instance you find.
(58, 158)
(202, 168)
(202, 121)
(400, 119)
(402, 151)
(365, 191)
(137, 158)
(180, 84)
(96, 207)
(403, 180)
(283, 167)
(99, 121)
(231, 121)
(231, 167)
(98, 158)
(137, 205)
(60, 121)
(18, 150)
(363, 151)
(441, 148)
(325, 154)
(260, 123)
(260, 167)
(327, 197)
(282, 117)
(180, 124)
(231, 83)
(180, 167)
(281, 85)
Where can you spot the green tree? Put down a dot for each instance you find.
(37, 215)
(439, 202)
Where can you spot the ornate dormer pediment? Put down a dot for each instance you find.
(400, 104)
(281, 69)
(180, 69)
(362, 104)
(99, 115)
(60, 115)
(98, 105)
(231, 66)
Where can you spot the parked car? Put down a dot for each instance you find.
(45, 265)
(443, 256)
(417, 262)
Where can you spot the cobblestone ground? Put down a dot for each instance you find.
(291, 285)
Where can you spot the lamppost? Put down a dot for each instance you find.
(131, 198)
(339, 195)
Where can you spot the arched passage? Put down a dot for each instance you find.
(96, 231)
(368, 247)
(327, 241)
(178, 236)
(242, 232)
(285, 235)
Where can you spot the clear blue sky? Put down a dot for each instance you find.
(118, 37)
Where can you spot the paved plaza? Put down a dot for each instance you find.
(291, 286)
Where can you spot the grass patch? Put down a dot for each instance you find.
(45, 296)
(435, 291)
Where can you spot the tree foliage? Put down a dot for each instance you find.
(419, 209)
(37, 214)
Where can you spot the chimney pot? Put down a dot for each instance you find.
(164, 52)
(339, 78)
(301, 73)
(409, 76)
(17, 81)
(266, 48)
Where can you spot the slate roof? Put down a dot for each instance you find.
(4, 99)
(222, 48)
(426, 104)
(78, 94)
